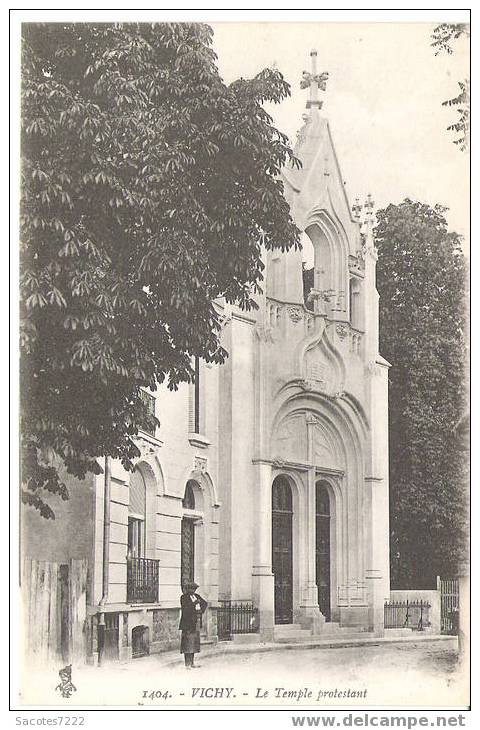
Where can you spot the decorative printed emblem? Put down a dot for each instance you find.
(66, 686)
(295, 314)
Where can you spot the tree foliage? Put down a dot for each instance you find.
(148, 186)
(442, 38)
(421, 280)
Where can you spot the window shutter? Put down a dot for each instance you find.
(137, 493)
(191, 407)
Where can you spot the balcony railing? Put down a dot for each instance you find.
(142, 580)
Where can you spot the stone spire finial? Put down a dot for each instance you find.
(356, 210)
(369, 223)
(315, 82)
(369, 206)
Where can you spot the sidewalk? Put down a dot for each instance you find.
(222, 648)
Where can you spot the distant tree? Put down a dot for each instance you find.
(421, 281)
(148, 186)
(442, 37)
(445, 33)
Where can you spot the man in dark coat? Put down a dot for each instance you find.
(193, 607)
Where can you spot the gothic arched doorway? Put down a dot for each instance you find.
(188, 535)
(282, 553)
(322, 548)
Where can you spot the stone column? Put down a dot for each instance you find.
(262, 575)
(313, 617)
(376, 538)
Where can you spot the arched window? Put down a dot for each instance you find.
(354, 302)
(322, 501)
(187, 557)
(281, 495)
(188, 501)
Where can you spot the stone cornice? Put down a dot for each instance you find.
(279, 463)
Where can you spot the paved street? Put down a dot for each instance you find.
(420, 674)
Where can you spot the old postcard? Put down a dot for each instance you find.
(244, 403)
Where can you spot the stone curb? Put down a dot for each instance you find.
(230, 648)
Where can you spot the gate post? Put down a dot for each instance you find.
(464, 610)
(376, 621)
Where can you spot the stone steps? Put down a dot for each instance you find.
(294, 633)
(343, 637)
(288, 629)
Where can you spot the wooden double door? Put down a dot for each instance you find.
(282, 550)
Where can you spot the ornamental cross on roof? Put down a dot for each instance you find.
(315, 82)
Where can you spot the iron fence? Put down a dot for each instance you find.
(413, 615)
(449, 605)
(142, 580)
(236, 617)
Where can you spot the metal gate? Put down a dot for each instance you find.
(449, 605)
(111, 636)
(236, 617)
(140, 641)
(282, 558)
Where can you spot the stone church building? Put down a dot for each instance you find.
(267, 479)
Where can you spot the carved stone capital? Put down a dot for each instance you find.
(145, 447)
(342, 330)
(295, 314)
(200, 464)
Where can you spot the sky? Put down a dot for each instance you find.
(383, 102)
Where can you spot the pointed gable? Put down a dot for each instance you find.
(318, 184)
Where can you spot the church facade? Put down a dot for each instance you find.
(267, 479)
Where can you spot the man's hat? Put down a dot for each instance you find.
(190, 584)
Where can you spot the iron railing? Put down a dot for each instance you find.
(236, 617)
(449, 605)
(142, 580)
(413, 615)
